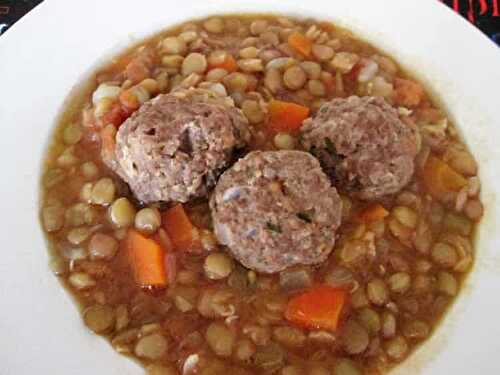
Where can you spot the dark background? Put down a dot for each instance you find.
(485, 14)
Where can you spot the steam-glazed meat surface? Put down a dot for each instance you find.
(363, 145)
(174, 147)
(276, 209)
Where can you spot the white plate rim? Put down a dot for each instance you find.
(36, 76)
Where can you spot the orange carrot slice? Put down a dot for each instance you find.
(440, 179)
(229, 64)
(137, 69)
(129, 100)
(116, 115)
(147, 260)
(318, 308)
(407, 93)
(300, 43)
(374, 212)
(180, 230)
(286, 116)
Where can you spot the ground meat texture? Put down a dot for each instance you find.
(363, 145)
(176, 145)
(276, 209)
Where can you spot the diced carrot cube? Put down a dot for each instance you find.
(407, 93)
(300, 43)
(440, 179)
(318, 308)
(374, 212)
(182, 233)
(286, 116)
(147, 260)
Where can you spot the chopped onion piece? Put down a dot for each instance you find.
(368, 72)
(105, 91)
(190, 364)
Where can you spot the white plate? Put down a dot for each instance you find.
(50, 50)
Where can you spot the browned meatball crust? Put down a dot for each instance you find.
(176, 145)
(276, 209)
(363, 145)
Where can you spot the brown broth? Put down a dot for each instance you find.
(258, 300)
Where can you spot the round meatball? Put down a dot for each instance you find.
(176, 145)
(276, 209)
(362, 145)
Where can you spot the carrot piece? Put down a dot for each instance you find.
(180, 230)
(407, 93)
(318, 308)
(137, 70)
(116, 115)
(129, 100)
(147, 260)
(300, 43)
(229, 64)
(440, 179)
(374, 212)
(286, 116)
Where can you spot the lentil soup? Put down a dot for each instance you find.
(259, 194)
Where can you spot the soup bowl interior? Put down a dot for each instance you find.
(55, 48)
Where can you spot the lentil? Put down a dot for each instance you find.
(122, 213)
(218, 266)
(99, 318)
(147, 220)
(220, 339)
(322, 53)
(151, 347)
(174, 46)
(377, 292)
(253, 111)
(316, 87)
(89, 170)
(194, 63)
(102, 246)
(294, 78)
(284, 141)
(103, 192)
(214, 25)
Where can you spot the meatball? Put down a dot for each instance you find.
(276, 209)
(362, 145)
(176, 145)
